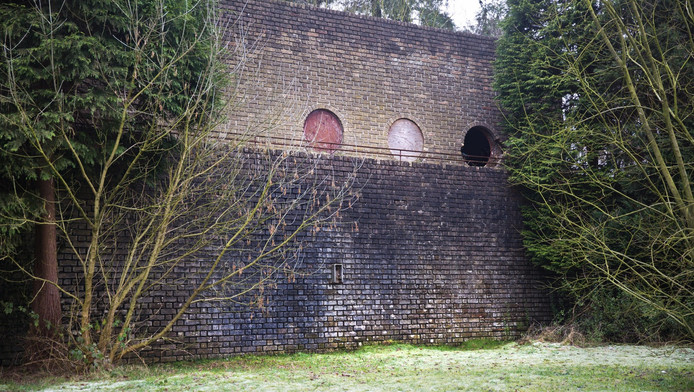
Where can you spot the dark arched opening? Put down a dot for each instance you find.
(476, 148)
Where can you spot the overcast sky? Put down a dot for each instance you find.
(463, 11)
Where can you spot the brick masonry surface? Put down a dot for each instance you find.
(430, 253)
(368, 71)
(437, 258)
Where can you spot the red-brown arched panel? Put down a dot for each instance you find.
(323, 130)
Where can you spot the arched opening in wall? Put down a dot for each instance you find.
(405, 140)
(477, 146)
(323, 130)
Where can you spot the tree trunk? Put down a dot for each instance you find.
(376, 8)
(46, 303)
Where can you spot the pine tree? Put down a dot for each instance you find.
(596, 145)
(66, 72)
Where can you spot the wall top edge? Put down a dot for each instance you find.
(344, 14)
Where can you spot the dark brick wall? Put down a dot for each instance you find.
(431, 254)
(368, 71)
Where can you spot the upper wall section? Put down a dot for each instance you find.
(289, 60)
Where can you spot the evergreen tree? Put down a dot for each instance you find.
(68, 71)
(431, 13)
(601, 153)
(427, 12)
(488, 18)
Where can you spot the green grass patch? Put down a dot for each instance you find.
(476, 366)
(478, 344)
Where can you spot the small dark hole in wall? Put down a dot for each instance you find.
(336, 274)
(476, 148)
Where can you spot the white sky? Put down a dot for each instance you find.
(463, 11)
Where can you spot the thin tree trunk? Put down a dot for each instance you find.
(376, 8)
(46, 301)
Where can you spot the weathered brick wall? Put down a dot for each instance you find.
(368, 71)
(430, 253)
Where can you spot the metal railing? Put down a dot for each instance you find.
(280, 142)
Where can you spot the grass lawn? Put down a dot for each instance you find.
(498, 367)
